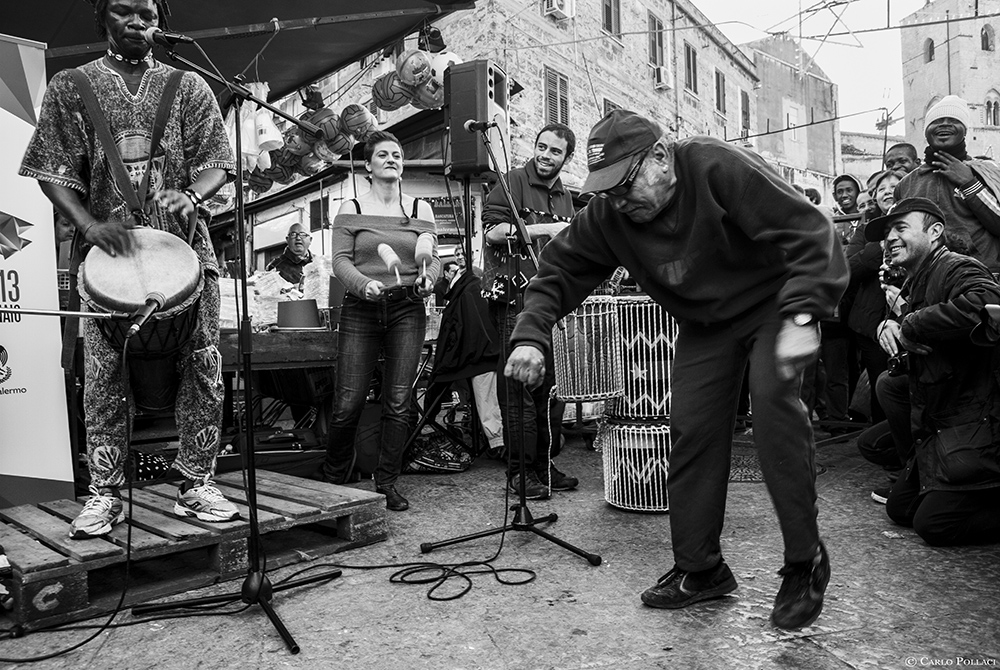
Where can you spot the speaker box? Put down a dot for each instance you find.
(476, 91)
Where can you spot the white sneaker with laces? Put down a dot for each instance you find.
(206, 503)
(99, 514)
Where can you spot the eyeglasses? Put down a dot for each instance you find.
(629, 180)
(299, 236)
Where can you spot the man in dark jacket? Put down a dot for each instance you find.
(531, 417)
(296, 256)
(965, 188)
(747, 267)
(950, 490)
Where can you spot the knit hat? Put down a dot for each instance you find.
(950, 106)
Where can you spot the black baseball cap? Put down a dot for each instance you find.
(615, 144)
(877, 229)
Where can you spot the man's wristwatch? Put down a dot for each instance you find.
(803, 319)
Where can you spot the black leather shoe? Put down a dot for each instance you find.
(393, 500)
(800, 598)
(679, 588)
(533, 489)
(557, 480)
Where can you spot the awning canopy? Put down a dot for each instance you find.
(309, 39)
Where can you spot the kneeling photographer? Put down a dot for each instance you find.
(950, 490)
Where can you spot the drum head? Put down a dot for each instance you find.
(158, 263)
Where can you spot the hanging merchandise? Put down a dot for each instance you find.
(259, 182)
(414, 67)
(339, 145)
(309, 165)
(280, 173)
(441, 62)
(428, 96)
(268, 136)
(358, 122)
(390, 93)
(296, 143)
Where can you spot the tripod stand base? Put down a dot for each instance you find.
(257, 589)
(523, 521)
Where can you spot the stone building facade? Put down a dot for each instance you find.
(954, 52)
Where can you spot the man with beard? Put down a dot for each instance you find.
(965, 188)
(531, 419)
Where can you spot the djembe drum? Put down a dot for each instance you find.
(636, 463)
(159, 263)
(647, 344)
(588, 364)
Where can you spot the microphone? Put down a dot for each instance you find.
(154, 301)
(156, 36)
(472, 126)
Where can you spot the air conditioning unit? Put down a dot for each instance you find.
(558, 9)
(663, 78)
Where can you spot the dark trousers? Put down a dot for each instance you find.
(394, 330)
(834, 359)
(873, 359)
(894, 396)
(532, 420)
(945, 518)
(707, 374)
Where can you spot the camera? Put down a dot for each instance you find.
(894, 275)
(899, 364)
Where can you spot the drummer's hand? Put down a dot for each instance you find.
(374, 289)
(112, 237)
(175, 202)
(526, 364)
(795, 348)
(424, 286)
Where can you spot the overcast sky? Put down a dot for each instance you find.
(866, 67)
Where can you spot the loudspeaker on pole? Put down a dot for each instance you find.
(477, 91)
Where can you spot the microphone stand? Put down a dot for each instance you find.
(257, 588)
(523, 520)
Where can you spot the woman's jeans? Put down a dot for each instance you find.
(394, 330)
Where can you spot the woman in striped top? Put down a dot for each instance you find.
(375, 249)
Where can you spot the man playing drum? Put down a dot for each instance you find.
(191, 162)
(747, 267)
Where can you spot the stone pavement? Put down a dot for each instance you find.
(893, 602)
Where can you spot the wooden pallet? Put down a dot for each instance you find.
(58, 579)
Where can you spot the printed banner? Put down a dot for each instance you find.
(35, 454)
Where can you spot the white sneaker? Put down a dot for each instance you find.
(206, 503)
(99, 514)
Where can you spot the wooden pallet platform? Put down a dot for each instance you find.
(58, 579)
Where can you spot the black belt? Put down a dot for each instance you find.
(398, 294)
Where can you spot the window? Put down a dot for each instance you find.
(556, 97)
(720, 92)
(610, 106)
(993, 109)
(655, 41)
(611, 17)
(928, 50)
(318, 218)
(987, 38)
(690, 68)
(792, 123)
(745, 112)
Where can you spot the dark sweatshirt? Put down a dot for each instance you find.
(734, 236)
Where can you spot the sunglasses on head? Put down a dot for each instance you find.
(626, 185)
